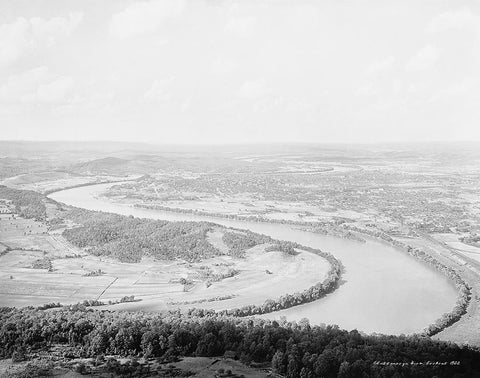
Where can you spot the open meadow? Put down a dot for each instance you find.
(42, 267)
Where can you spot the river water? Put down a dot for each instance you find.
(384, 290)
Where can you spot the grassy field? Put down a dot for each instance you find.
(42, 267)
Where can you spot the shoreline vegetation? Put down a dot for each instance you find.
(84, 337)
(316, 226)
(89, 231)
(313, 293)
(128, 239)
(321, 289)
(446, 320)
(464, 290)
(55, 190)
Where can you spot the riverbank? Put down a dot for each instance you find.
(51, 191)
(268, 275)
(464, 291)
(377, 308)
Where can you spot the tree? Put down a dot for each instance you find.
(278, 362)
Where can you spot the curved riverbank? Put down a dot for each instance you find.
(446, 320)
(51, 191)
(313, 293)
(464, 290)
(378, 285)
(319, 271)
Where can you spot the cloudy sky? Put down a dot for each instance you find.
(198, 71)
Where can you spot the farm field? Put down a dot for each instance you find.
(69, 275)
(256, 235)
(366, 264)
(239, 189)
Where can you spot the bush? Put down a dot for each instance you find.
(81, 368)
(19, 355)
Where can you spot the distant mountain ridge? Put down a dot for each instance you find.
(107, 165)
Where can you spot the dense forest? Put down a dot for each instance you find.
(239, 242)
(129, 239)
(294, 350)
(27, 203)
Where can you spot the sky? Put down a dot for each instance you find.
(213, 72)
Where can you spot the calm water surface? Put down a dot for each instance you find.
(384, 290)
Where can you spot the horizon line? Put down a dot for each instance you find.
(257, 143)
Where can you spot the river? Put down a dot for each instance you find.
(384, 290)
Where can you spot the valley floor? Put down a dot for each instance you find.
(43, 267)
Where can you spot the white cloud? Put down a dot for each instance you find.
(367, 89)
(15, 40)
(23, 36)
(455, 90)
(144, 17)
(253, 89)
(298, 105)
(381, 65)
(17, 86)
(423, 59)
(397, 86)
(222, 66)
(55, 91)
(268, 104)
(90, 102)
(455, 19)
(159, 91)
(36, 86)
(416, 87)
(241, 26)
(54, 28)
(102, 97)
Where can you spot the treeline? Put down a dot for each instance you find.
(27, 203)
(260, 219)
(473, 240)
(212, 276)
(51, 191)
(44, 263)
(294, 350)
(204, 300)
(128, 239)
(282, 246)
(80, 306)
(239, 242)
(317, 291)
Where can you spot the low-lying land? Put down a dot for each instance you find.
(91, 256)
(207, 278)
(425, 198)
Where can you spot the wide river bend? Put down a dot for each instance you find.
(384, 289)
